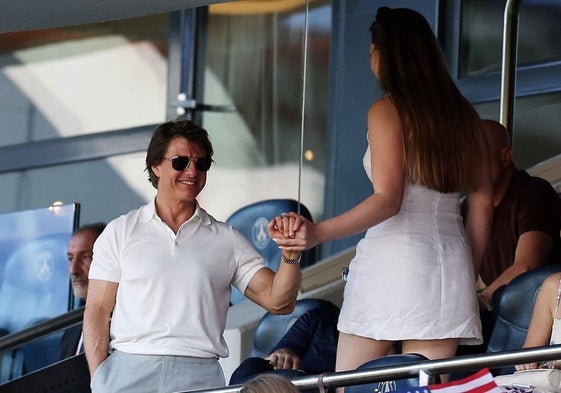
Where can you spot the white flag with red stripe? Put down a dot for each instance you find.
(480, 382)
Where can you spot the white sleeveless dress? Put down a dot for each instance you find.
(412, 276)
(556, 328)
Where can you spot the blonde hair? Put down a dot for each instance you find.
(269, 383)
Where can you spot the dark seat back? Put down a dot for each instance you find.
(252, 221)
(386, 386)
(514, 305)
(6, 361)
(41, 352)
(272, 327)
(68, 375)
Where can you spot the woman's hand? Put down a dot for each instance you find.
(527, 366)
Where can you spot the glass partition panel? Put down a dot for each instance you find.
(34, 281)
(481, 34)
(255, 63)
(536, 135)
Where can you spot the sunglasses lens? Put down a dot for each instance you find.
(179, 163)
(203, 164)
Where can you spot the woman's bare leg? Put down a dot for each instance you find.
(352, 351)
(433, 349)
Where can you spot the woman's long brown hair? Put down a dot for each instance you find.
(442, 131)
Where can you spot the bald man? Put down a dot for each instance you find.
(526, 226)
(526, 220)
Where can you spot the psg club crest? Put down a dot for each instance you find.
(259, 234)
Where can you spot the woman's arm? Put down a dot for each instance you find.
(480, 205)
(388, 177)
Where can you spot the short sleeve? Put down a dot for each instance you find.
(248, 261)
(541, 209)
(105, 264)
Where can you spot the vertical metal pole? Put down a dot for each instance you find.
(186, 63)
(303, 114)
(508, 76)
(424, 378)
(175, 51)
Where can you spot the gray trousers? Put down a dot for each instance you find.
(123, 373)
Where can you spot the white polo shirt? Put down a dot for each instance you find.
(174, 290)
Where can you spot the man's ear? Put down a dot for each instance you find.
(506, 156)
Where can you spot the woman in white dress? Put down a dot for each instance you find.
(412, 279)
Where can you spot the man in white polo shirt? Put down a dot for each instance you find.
(160, 278)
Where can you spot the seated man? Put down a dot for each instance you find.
(309, 345)
(526, 223)
(80, 253)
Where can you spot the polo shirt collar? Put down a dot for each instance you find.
(202, 214)
(148, 212)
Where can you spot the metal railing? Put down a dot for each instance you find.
(420, 369)
(17, 339)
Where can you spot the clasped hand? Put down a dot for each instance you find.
(290, 231)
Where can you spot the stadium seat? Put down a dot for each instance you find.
(41, 352)
(272, 327)
(11, 362)
(386, 386)
(5, 360)
(252, 221)
(514, 304)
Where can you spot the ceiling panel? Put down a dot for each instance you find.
(18, 15)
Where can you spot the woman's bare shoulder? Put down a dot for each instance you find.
(551, 283)
(383, 112)
(384, 103)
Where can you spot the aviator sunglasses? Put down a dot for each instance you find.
(180, 163)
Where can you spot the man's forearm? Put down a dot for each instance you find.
(96, 342)
(503, 279)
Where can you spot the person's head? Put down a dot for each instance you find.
(499, 150)
(404, 48)
(178, 156)
(80, 253)
(269, 383)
